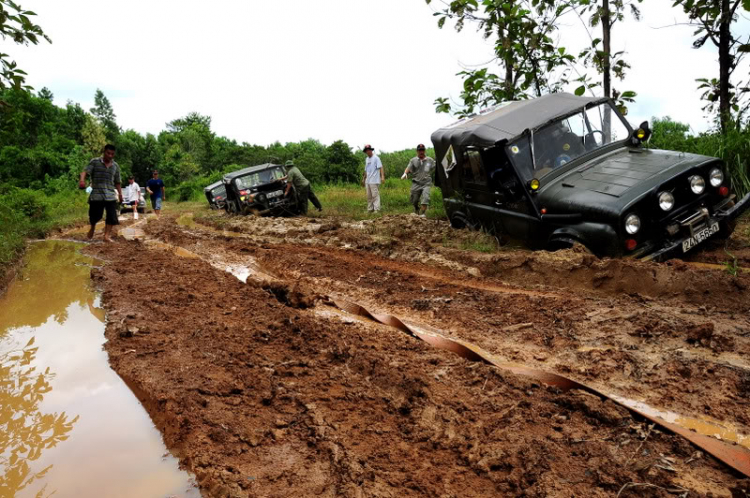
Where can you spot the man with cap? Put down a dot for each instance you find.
(373, 177)
(302, 188)
(421, 168)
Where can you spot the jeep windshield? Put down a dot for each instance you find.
(259, 178)
(567, 139)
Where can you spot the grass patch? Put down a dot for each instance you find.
(349, 200)
(28, 213)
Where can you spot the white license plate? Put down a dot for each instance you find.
(277, 193)
(699, 237)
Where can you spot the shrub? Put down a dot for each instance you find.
(733, 148)
(30, 203)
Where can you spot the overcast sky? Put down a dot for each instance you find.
(357, 70)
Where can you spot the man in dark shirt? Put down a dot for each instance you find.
(155, 188)
(302, 188)
(105, 178)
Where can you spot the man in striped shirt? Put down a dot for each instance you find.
(105, 178)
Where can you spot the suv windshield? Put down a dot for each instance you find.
(567, 139)
(259, 178)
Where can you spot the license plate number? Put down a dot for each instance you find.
(699, 237)
(277, 193)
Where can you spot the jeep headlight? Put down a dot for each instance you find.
(716, 177)
(697, 184)
(666, 201)
(632, 224)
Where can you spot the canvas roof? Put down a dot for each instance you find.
(509, 121)
(252, 169)
(220, 183)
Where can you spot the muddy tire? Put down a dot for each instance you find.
(726, 229)
(460, 220)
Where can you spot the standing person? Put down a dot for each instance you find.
(155, 188)
(131, 196)
(373, 177)
(105, 178)
(302, 188)
(421, 168)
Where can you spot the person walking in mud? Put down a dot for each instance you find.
(155, 188)
(421, 168)
(132, 195)
(105, 179)
(373, 177)
(303, 190)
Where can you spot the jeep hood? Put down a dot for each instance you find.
(611, 183)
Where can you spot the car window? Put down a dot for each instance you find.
(473, 167)
(567, 139)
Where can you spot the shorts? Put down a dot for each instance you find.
(420, 195)
(156, 203)
(130, 203)
(97, 208)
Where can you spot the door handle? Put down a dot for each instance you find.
(467, 196)
(498, 203)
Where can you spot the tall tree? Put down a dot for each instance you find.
(15, 23)
(713, 20)
(605, 14)
(45, 93)
(524, 49)
(106, 115)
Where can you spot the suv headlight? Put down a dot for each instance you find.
(697, 184)
(632, 224)
(716, 177)
(666, 201)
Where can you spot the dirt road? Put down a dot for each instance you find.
(263, 389)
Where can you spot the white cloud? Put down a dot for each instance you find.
(362, 71)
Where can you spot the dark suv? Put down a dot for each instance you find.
(258, 190)
(216, 194)
(560, 170)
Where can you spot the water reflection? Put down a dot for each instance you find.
(24, 429)
(53, 277)
(69, 426)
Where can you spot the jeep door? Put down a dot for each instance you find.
(510, 201)
(476, 192)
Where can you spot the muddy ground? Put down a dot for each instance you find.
(265, 389)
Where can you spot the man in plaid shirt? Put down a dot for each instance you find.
(105, 178)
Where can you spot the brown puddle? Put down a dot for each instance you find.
(69, 426)
(177, 250)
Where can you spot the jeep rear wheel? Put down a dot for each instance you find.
(460, 220)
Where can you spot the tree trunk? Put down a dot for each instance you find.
(725, 66)
(509, 84)
(606, 74)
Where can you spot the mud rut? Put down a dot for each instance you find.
(264, 390)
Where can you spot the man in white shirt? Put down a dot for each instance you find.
(131, 195)
(373, 177)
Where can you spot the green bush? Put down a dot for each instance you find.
(30, 203)
(732, 147)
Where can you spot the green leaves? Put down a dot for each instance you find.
(580, 90)
(18, 28)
